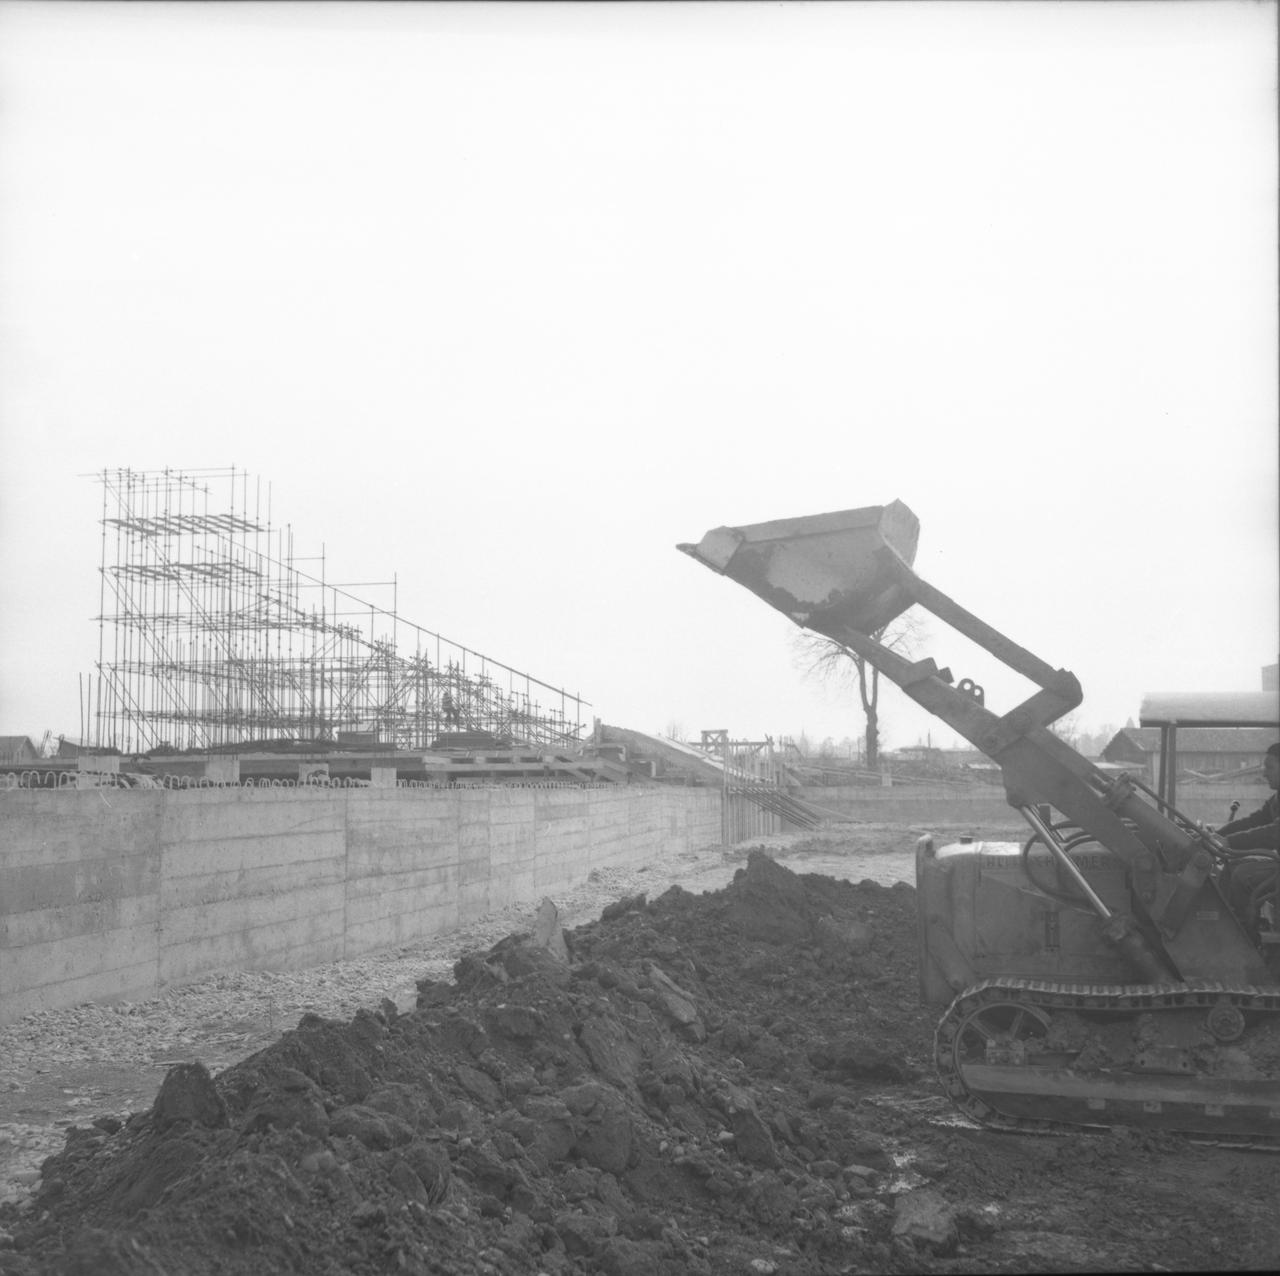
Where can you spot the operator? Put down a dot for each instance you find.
(1259, 831)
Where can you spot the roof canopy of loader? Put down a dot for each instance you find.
(1210, 709)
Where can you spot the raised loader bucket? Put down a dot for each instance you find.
(828, 572)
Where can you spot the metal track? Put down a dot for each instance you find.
(1048, 998)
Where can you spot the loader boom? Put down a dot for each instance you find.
(847, 575)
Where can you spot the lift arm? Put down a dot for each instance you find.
(848, 574)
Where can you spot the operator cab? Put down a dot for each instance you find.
(1171, 712)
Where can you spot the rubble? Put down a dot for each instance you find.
(731, 1082)
(923, 1218)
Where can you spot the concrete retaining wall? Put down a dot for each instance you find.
(914, 803)
(113, 893)
(1211, 803)
(119, 893)
(937, 804)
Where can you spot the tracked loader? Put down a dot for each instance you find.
(1096, 974)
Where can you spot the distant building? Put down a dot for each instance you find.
(962, 757)
(74, 749)
(1271, 677)
(17, 748)
(914, 753)
(1209, 751)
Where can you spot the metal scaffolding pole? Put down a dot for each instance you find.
(209, 634)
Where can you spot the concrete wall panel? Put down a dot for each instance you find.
(104, 979)
(84, 917)
(271, 945)
(371, 897)
(79, 877)
(120, 893)
(247, 883)
(401, 908)
(473, 901)
(57, 960)
(63, 826)
(915, 803)
(298, 907)
(101, 877)
(936, 804)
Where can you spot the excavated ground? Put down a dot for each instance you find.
(731, 1082)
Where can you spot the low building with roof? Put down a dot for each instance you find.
(17, 748)
(1202, 751)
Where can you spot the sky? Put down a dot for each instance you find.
(507, 300)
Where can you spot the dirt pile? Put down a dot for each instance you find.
(730, 1082)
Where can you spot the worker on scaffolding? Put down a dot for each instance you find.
(449, 709)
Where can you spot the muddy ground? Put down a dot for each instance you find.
(733, 1081)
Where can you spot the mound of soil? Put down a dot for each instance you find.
(730, 1082)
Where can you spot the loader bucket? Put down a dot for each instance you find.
(827, 572)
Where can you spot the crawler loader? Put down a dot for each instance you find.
(1096, 974)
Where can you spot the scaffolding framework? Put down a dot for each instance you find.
(210, 635)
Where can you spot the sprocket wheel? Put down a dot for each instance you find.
(999, 1032)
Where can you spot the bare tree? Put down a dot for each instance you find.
(1091, 743)
(830, 661)
(1068, 729)
(1079, 737)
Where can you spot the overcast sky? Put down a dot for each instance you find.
(508, 300)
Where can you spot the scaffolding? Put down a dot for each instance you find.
(755, 799)
(210, 635)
